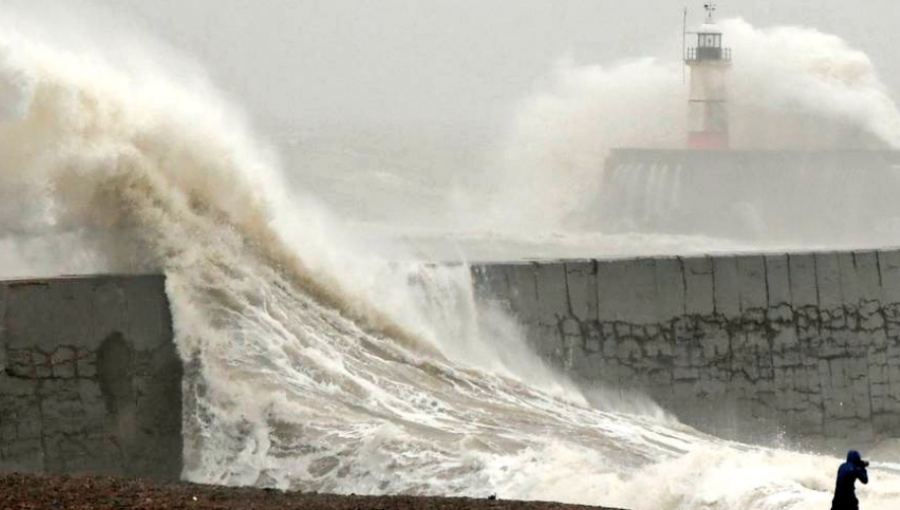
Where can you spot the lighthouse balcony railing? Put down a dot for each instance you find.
(703, 53)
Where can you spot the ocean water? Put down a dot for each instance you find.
(313, 362)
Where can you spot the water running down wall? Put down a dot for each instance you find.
(743, 346)
(795, 198)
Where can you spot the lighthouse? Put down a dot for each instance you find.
(708, 101)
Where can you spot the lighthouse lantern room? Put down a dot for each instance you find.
(708, 101)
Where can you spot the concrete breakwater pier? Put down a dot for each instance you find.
(90, 380)
(738, 345)
(813, 197)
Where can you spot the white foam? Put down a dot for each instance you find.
(311, 365)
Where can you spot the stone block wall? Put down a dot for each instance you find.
(743, 345)
(90, 380)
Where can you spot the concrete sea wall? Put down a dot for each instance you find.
(739, 345)
(747, 345)
(90, 381)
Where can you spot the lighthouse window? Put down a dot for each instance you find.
(710, 40)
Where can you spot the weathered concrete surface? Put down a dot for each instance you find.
(743, 345)
(90, 381)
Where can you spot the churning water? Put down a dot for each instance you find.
(312, 365)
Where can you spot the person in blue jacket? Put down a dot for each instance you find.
(849, 472)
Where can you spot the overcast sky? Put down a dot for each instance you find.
(370, 62)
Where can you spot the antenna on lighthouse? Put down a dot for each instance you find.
(684, 46)
(710, 10)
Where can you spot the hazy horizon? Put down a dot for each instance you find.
(429, 119)
(343, 63)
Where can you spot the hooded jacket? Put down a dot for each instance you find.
(845, 491)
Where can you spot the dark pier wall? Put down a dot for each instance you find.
(812, 197)
(90, 380)
(807, 344)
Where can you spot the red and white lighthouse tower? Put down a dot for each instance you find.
(708, 101)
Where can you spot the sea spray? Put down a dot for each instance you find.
(270, 344)
(297, 374)
(789, 88)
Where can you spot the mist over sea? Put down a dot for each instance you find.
(325, 349)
